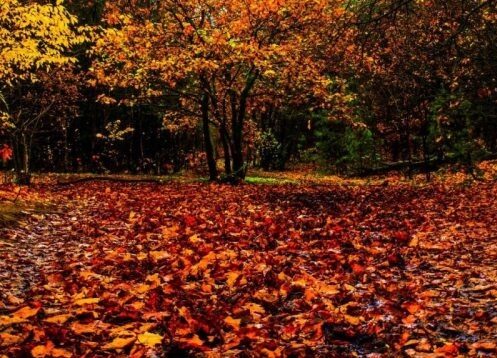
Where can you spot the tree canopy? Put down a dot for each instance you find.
(357, 86)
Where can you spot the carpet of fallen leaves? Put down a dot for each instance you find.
(180, 270)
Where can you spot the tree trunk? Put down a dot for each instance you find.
(237, 129)
(23, 175)
(226, 149)
(209, 148)
(426, 159)
(238, 163)
(66, 148)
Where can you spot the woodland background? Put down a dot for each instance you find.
(156, 87)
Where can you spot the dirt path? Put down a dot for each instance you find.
(35, 248)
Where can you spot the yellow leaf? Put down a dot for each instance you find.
(87, 274)
(18, 316)
(119, 343)
(272, 354)
(59, 319)
(26, 312)
(486, 346)
(149, 339)
(194, 239)
(206, 287)
(86, 301)
(352, 320)
(254, 308)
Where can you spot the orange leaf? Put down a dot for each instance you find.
(119, 343)
(233, 323)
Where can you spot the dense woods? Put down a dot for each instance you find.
(218, 86)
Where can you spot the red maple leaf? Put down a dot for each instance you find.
(6, 153)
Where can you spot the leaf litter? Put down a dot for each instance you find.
(147, 270)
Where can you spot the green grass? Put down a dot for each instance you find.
(10, 212)
(268, 181)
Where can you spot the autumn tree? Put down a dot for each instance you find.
(417, 62)
(34, 37)
(216, 58)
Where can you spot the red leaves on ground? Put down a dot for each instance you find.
(213, 270)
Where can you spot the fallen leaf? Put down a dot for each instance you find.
(59, 319)
(194, 341)
(119, 343)
(352, 320)
(232, 277)
(232, 322)
(7, 339)
(254, 309)
(86, 301)
(19, 316)
(485, 346)
(149, 339)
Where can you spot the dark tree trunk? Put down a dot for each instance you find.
(426, 159)
(238, 120)
(21, 154)
(209, 148)
(226, 149)
(238, 162)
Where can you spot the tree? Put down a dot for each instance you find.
(413, 55)
(45, 107)
(33, 38)
(216, 58)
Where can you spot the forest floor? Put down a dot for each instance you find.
(317, 268)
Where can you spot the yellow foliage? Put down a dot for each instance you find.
(23, 28)
(243, 45)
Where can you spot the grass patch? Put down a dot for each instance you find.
(11, 212)
(268, 180)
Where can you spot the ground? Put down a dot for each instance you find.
(317, 269)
